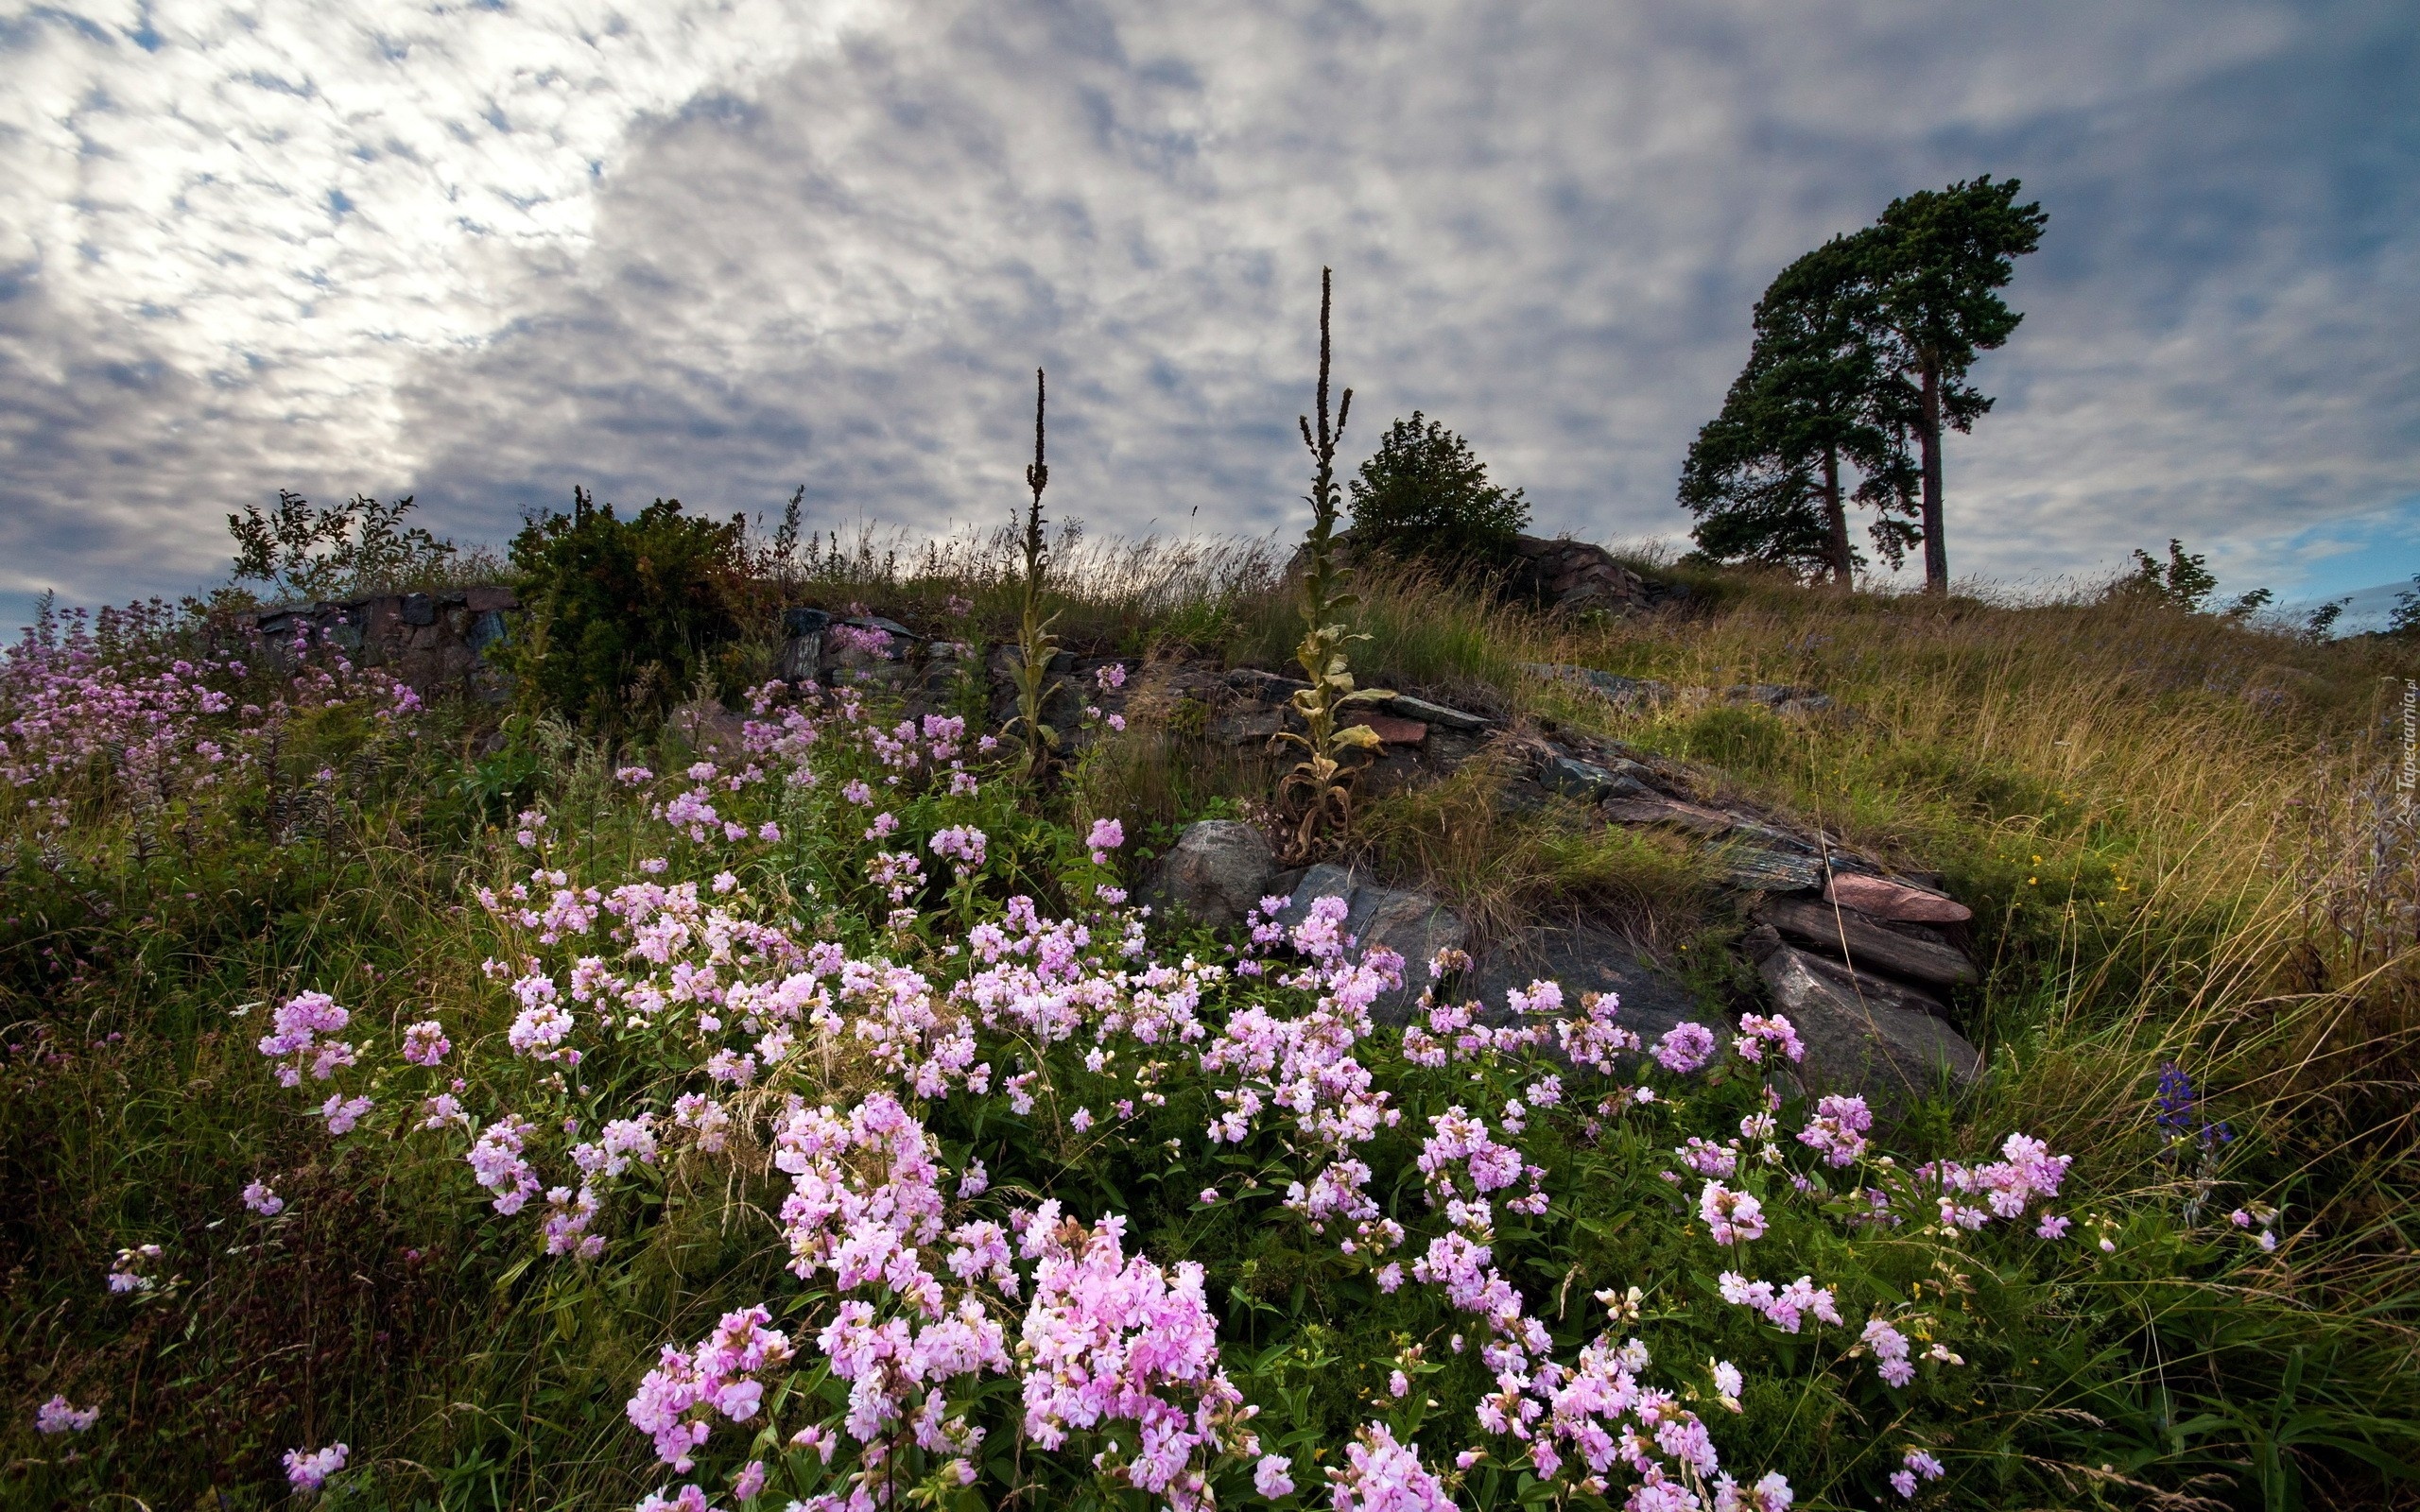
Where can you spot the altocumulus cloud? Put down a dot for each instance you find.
(717, 251)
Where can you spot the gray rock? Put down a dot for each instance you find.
(1752, 869)
(1588, 782)
(1264, 687)
(1861, 1041)
(1413, 925)
(1587, 959)
(802, 659)
(1217, 872)
(1905, 951)
(1405, 705)
(1623, 693)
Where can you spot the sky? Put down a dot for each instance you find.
(717, 250)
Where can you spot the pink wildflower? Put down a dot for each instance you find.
(309, 1470)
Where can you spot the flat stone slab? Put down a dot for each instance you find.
(1588, 782)
(1753, 869)
(1653, 808)
(1624, 692)
(1391, 731)
(1885, 897)
(1850, 936)
(1405, 705)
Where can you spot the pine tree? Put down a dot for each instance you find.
(1765, 476)
(1936, 263)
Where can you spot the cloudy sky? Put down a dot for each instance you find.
(716, 249)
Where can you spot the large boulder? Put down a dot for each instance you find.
(1574, 576)
(1411, 924)
(1217, 872)
(1862, 1035)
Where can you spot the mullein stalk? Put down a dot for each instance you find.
(1036, 646)
(1323, 777)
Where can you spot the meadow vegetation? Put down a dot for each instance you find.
(454, 1083)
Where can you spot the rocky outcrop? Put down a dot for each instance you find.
(434, 641)
(1911, 952)
(1629, 695)
(1573, 577)
(1218, 870)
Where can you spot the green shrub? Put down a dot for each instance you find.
(624, 614)
(1424, 494)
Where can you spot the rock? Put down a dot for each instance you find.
(802, 659)
(1389, 730)
(490, 599)
(1863, 1044)
(1882, 898)
(1250, 725)
(1218, 870)
(1408, 707)
(1265, 687)
(1586, 959)
(1653, 808)
(1772, 695)
(1588, 782)
(1413, 925)
(1753, 869)
(1626, 693)
(1902, 951)
(1575, 577)
(417, 609)
(804, 621)
(711, 729)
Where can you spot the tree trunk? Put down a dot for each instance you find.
(1936, 552)
(1836, 518)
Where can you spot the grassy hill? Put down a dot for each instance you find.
(2195, 883)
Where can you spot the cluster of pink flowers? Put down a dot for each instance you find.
(1783, 1307)
(1113, 1337)
(1380, 1474)
(57, 1417)
(962, 845)
(1760, 1031)
(1836, 1132)
(130, 1271)
(293, 1038)
(1685, 1048)
(310, 1468)
(1732, 1217)
(1913, 1464)
(678, 1401)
